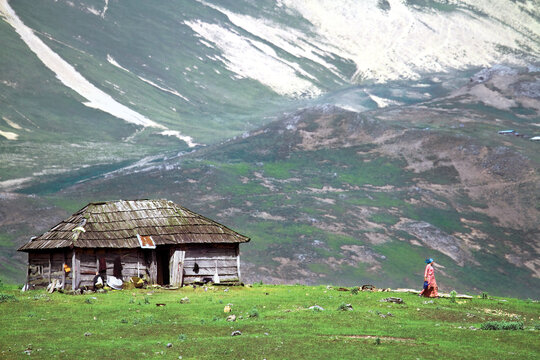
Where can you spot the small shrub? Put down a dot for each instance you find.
(453, 294)
(502, 325)
(378, 341)
(254, 313)
(345, 307)
(146, 300)
(485, 296)
(537, 326)
(355, 291)
(6, 298)
(182, 337)
(88, 301)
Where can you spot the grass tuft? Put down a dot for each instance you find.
(7, 298)
(503, 325)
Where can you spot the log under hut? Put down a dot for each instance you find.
(156, 240)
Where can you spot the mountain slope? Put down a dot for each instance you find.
(196, 72)
(334, 196)
(349, 139)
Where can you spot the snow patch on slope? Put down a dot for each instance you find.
(286, 38)
(9, 135)
(382, 102)
(253, 59)
(404, 41)
(188, 140)
(112, 61)
(170, 91)
(401, 41)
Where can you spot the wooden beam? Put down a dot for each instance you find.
(238, 261)
(153, 267)
(182, 268)
(73, 269)
(63, 271)
(50, 264)
(77, 273)
(27, 269)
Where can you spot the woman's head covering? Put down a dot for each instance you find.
(429, 261)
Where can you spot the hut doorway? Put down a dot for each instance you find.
(163, 274)
(170, 266)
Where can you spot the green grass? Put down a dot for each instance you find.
(275, 323)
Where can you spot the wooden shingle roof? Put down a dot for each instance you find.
(116, 224)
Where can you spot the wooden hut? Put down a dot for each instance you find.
(154, 239)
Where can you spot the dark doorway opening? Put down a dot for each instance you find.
(163, 257)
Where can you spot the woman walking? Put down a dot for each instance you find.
(430, 285)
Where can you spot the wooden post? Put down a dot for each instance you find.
(73, 270)
(27, 271)
(77, 273)
(238, 261)
(153, 268)
(63, 271)
(182, 268)
(50, 262)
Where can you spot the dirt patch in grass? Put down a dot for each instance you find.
(382, 338)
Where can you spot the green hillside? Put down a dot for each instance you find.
(271, 322)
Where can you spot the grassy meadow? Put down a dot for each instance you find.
(275, 322)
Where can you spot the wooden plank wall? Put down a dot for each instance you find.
(207, 257)
(44, 267)
(134, 263)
